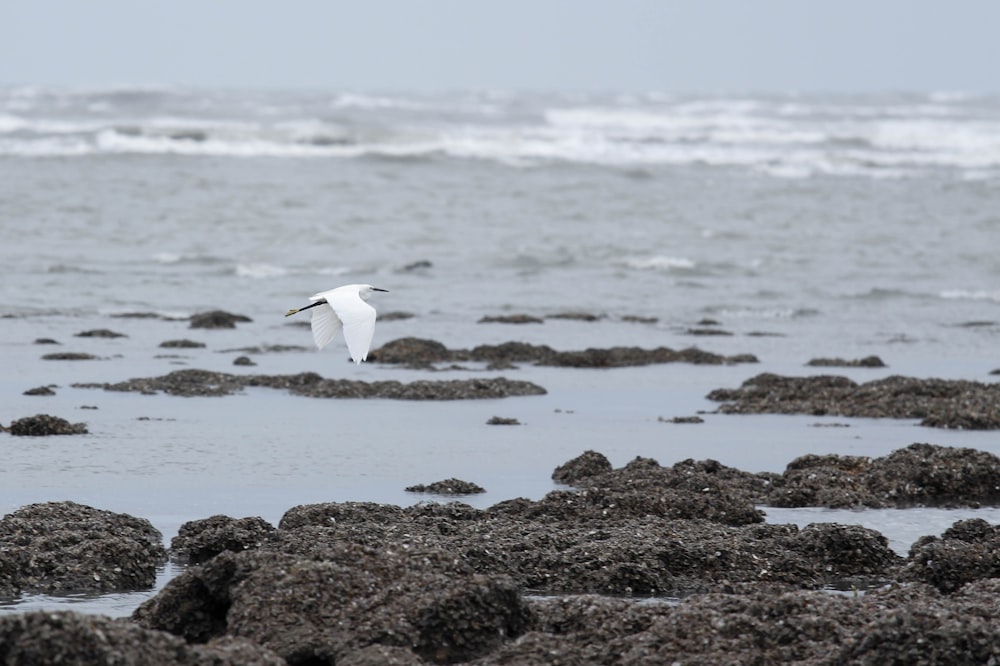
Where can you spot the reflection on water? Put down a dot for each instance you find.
(116, 604)
(900, 526)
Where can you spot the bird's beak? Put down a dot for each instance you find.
(377, 289)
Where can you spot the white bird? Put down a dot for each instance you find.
(343, 307)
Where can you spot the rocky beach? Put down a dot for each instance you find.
(696, 379)
(643, 563)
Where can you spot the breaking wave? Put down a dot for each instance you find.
(794, 137)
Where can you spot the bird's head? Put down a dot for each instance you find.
(365, 291)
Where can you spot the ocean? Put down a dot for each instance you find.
(795, 226)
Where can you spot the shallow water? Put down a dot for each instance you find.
(806, 227)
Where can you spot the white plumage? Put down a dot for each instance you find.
(343, 308)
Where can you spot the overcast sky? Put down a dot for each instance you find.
(575, 45)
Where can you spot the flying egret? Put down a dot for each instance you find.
(343, 307)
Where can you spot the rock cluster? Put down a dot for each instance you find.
(447, 487)
(364, 583)
(41, 425)
(936, 402)
(68, 547)
(418, 352)
(80, 640)
(866, 362)
(920, 474)
(100, 333)
(217, 319)
(194, 382)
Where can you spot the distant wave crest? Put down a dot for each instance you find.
(876, 136)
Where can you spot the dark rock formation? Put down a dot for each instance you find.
(139, 315)
(69, 356)
(765, 625)
(448, 487)
(969, 550)
(41, 425)
(182, 344)
(576, 316)
(76, 639)
(421, 353)
(690, 489)
(444, 581)
(866, 362)
(68, 547)
(682, 420)
(511, 319)
(100, 333)
(502, 420)
(708, 331)
(321, 608)
(40, 390)
(937, 402)
(205, 383)
(414, 351)
(364, 583)
(920, 474)
(578, 470)
(201, 540)
(217, 319)
(396, 315)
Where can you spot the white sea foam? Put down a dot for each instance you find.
(796, 138)
(10, 123)
(757, 312)
(335, 270)
(46, 147)
(952, 96)
(971, 295)
(664, 263)
(167, 257)
(259, 271)
(361, 101)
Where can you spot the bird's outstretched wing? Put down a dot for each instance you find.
(358, 320)
(325, 325)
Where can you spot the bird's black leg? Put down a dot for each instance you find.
(311, 305)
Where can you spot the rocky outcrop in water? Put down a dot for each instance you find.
(511, 319)
(338, 579)
(40, 390)
(206, 383)
(201, 540)
(447, 487)
(341, 598)
(76, 639)
(417, 352)
(939, 403)
(67, 547)
(43, 425)
(100, 333)
(69, 356)
(910, 624)
(866, 362)
(966, 552)
(217, 319)
(364, 583)
(749, 624)
(920, 474)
